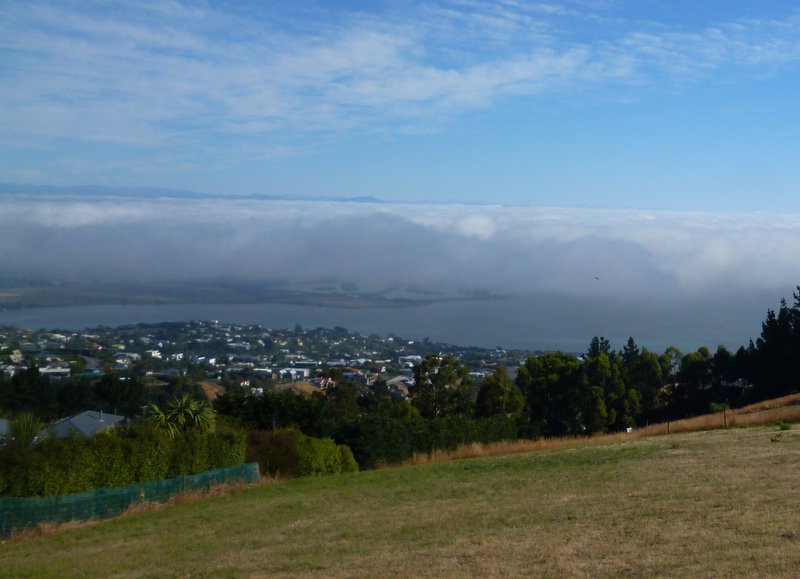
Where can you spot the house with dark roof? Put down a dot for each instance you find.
(87, 423)
(5, 428)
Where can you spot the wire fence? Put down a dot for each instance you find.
(17, 514)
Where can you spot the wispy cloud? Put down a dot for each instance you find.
(174, 74)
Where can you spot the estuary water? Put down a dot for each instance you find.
(530, 322)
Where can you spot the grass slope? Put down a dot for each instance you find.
(720, 503)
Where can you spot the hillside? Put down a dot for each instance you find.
(716, 503)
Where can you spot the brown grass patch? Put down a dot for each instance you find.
(789, 400)
(301, 387)
(478, 449)
(783, 409)
(211, 389)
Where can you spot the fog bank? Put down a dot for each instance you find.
(643, 261)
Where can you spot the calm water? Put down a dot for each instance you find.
(528, 323)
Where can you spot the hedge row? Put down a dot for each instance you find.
(120, 457)
(373, 440)
(382, 440)
(449, 432)
(291, 453)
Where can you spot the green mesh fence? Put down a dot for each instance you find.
(17, 514)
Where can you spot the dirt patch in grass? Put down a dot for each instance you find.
(211, 389)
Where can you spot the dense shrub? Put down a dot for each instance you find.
(226, 449)
(150, 454)
(58, 466)
(346, 459)
(449, 432)
(393, 439)
(275, 451)
(318, 456)
(291, 453)
(384, 439)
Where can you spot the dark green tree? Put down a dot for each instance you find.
(595, 414)
(630, 353)
(77, 395)
(29, 391)
(555, 395)
(608, 371)
(124, 395)
(645, 377)
(599, 345)
(775, 367)
(442, 387)
(499, 396)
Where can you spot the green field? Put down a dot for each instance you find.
(721, 503)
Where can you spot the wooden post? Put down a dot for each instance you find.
(667, 426)
(724, 418)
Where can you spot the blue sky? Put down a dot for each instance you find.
(656, 105)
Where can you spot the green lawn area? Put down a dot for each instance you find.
(722, 503)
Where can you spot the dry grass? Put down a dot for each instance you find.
(789, 400)
(710, 504)
(300, 387)
(211, 390)
(506, 447)
(784, 409)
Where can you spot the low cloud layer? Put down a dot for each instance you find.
(447, 248)
(635, 261)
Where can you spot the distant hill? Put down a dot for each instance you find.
(155, 192)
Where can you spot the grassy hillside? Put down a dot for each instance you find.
(721, 503)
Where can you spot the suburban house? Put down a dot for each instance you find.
(55, 370)
(87, 423)
(294, 373)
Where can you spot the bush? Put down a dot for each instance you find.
(150, 454)
(58, 466)
(291, 453)
(318, 456)
(275, 451)
(346, 459)
(448, 432)
(190, 454)
(226, 449)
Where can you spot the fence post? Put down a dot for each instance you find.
(667, 426)
(724, 418)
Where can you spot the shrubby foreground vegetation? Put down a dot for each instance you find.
(120, 457)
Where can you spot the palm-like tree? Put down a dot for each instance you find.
(181, 415)
(23, 430)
